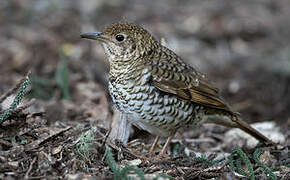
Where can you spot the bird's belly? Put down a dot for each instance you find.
(156, 112)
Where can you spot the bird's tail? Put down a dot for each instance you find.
(234, 120)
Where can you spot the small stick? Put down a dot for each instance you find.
(30, 168)
(25, 106)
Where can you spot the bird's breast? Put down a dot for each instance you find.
(150, 109)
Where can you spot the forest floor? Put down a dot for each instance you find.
(60, 129)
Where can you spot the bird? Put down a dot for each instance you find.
(156, 90)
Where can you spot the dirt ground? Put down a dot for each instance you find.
(60, 128)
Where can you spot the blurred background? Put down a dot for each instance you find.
(243, 46)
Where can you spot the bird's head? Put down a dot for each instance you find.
(123, 41)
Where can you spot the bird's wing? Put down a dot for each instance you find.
(171, 75)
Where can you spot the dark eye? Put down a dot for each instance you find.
(120, 37)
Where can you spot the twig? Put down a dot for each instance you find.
(30, 168)
(14, 89)
(54, 133)
(22, 107)
(25, 106)
(6, 143)
(106, 137)
(41, 177)
(199, 140)
(207, 173)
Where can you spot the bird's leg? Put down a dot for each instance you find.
(165, 146)
(153, 146)
(120, 127)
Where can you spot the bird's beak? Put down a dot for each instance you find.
(92, 35)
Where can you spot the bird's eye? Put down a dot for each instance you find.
(120, 37)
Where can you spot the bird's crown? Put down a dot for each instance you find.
(124, 27)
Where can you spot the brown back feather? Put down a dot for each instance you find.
(184, 81)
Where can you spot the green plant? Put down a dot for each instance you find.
(266, 169)
(208, 162)
(17, 99)
(85, 143)
(41, 88)
(241, 158)
(61, 73)
(122, 173)
(45, 88)
(236, 165)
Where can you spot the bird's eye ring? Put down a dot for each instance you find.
(120, 37)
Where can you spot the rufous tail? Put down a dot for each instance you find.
(250, 130)
(233, 120)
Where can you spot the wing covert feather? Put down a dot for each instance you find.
(184, 81)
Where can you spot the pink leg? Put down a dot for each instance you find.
(163, 151)
(154, 146)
